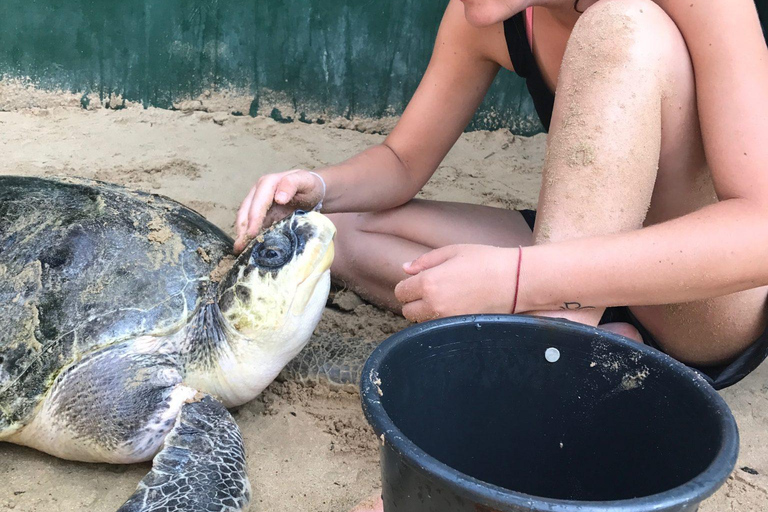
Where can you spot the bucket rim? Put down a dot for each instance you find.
(696, 490)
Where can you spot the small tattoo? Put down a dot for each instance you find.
(575, 306)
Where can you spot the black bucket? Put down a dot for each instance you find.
(510, 413)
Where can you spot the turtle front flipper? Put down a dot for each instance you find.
(124, 405)
(200, 468)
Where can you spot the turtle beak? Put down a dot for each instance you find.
(319, 254)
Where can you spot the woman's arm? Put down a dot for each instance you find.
(718, 250)
(715, 251)
(464, 62)
(730, 62)
(459, 74)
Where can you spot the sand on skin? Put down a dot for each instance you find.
(309, 449)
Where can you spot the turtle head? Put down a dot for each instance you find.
(269, 303)
(275, 293)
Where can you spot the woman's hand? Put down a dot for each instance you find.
(274, 197)
(459, 280)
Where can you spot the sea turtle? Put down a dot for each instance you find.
(127, 328)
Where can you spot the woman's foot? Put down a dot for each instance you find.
(372, 503)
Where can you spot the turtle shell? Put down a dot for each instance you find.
(85, 264)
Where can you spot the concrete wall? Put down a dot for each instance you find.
(322, 57)
(338, 57)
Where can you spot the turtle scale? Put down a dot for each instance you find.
(72, 249)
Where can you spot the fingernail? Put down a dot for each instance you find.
(281, 197)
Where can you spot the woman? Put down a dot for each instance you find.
(655, 190)
(655, 186)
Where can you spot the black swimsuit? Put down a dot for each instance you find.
(525, 65)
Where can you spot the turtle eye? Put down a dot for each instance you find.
(272, 254)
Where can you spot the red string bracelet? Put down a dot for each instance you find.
(517, 280)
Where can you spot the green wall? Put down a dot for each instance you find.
(336, 57)
(327, 57)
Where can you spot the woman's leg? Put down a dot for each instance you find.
(625, 150)
(372, 247)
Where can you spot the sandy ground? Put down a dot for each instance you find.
(309, 450)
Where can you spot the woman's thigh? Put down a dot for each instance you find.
(435, 224)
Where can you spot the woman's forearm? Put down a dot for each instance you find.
(718, 250)
(373, 180)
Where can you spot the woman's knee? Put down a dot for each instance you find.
(621, 32)
(644, 17)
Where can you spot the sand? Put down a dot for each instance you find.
(309, 449)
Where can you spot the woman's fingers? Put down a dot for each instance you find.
(270, 199)
(422, 283)
(300, 187)
(419, 311)
(251, 214)
(262, 201)
(277, 212)
(409, 290)
(430, 259)
(419, 297)
(241, 222)
(287, 187)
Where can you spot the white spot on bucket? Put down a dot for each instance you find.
(376, 381)
(552, 355)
